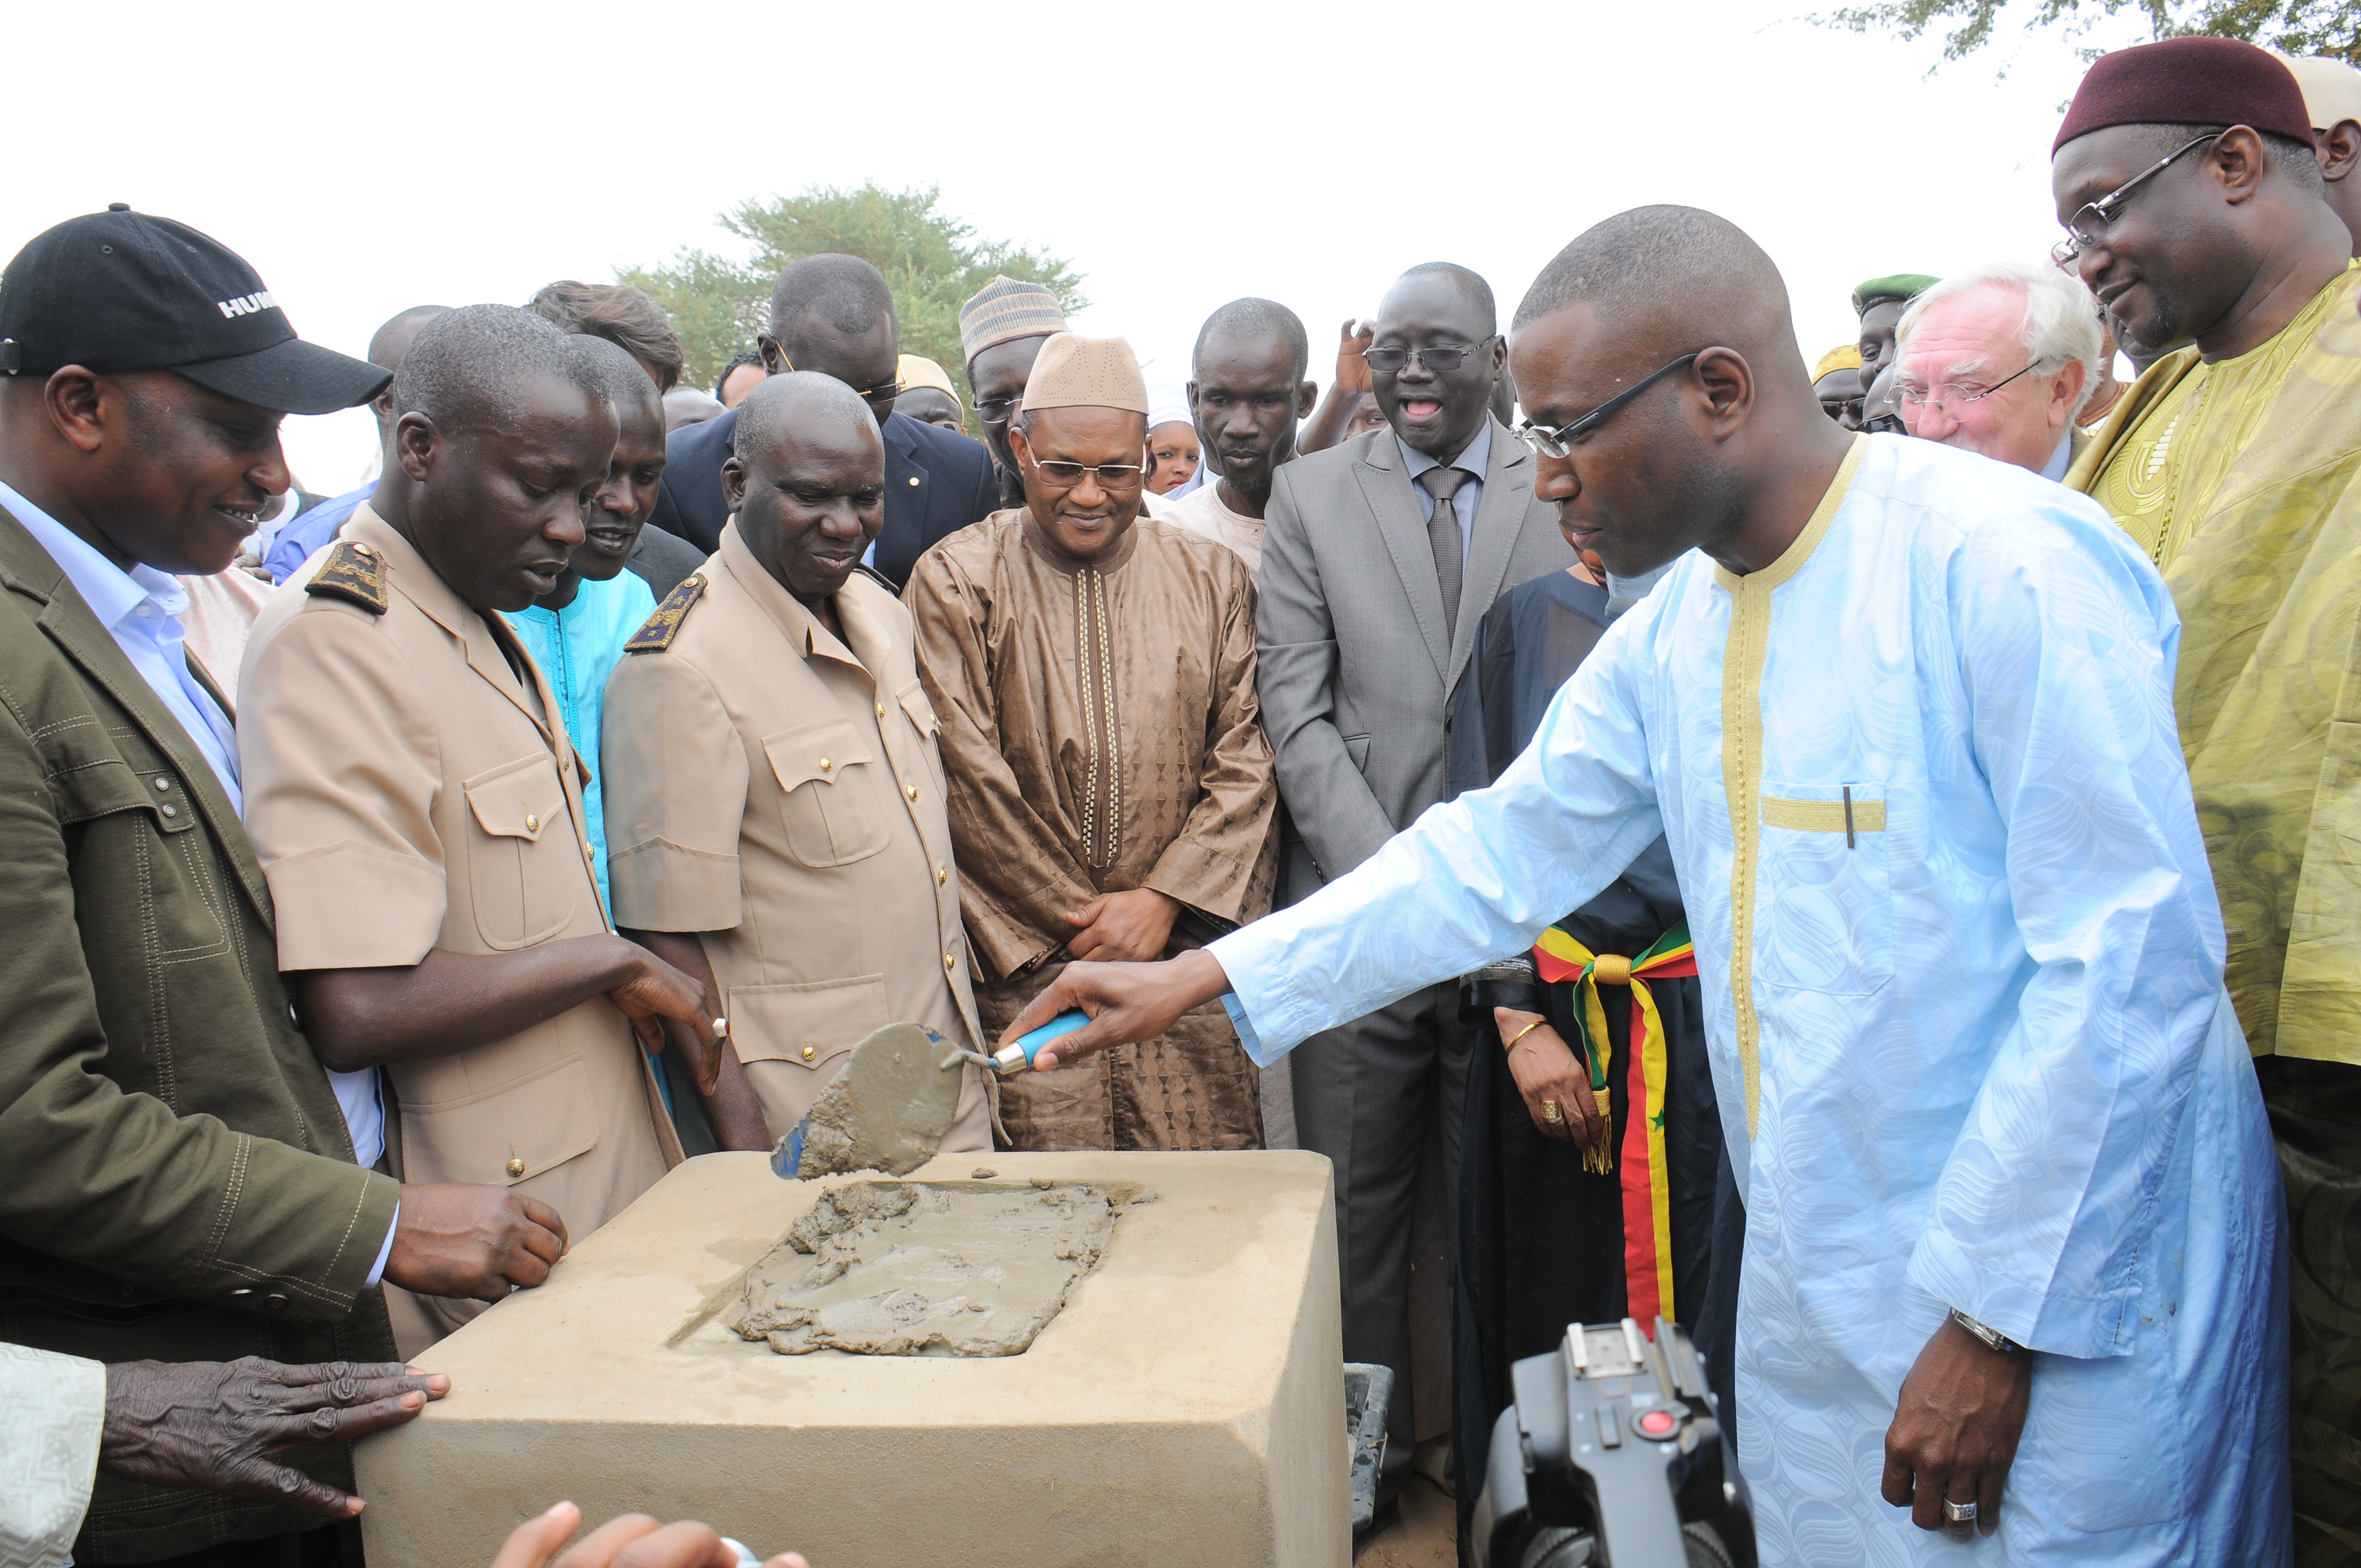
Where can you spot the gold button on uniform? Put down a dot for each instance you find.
(914, 481)
(912, 790)
(950, 961)
(941, 876)
(516, 1167)
(531, 822)
(809, 1052)
(363, 550)
(881, 710)
(825, 765)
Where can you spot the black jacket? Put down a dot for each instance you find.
(936, 484)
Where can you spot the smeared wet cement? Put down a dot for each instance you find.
(911, 1268)
(887, 1109)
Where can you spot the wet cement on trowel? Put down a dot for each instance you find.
(887, 1109)
(915, 1269)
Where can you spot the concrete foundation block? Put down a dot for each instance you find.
(1186, 1406)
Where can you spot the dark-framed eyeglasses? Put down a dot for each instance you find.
(1944, 399)
(2088, 226)
(1559, 443)
(1065, 476)
(1442, 359)
(884, 392)
(992, 410)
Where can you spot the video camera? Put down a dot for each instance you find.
(1612, 1457)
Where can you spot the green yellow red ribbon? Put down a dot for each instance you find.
(1647, 1194)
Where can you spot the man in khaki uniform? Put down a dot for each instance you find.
(417, 808)
(775, 817)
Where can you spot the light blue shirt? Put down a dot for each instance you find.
(1473, 459)
(577, 648)
(2061, 460)
(1961, 958)
(141, 609)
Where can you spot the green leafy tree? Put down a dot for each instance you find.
(2297, 27)
(932, 261)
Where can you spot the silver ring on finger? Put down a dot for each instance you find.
(1959, 1513)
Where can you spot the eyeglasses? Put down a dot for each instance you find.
(1559, 443)
(884, 392)
(1442, 359)
(1947, 400)
(1112, 475)
(994, 410)
(2088, 226)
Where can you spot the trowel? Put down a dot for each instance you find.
(889, 1106)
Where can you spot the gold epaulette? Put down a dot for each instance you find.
(352, 572)
(656, 634)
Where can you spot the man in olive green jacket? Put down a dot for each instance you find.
(177, 1180)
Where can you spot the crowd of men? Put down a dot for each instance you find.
(1856, 860)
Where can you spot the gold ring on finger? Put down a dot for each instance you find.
(1551, 1113)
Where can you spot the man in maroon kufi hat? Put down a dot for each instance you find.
(2193, 202)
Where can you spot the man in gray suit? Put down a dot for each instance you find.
(1382, 554)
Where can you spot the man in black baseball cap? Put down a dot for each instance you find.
(180, 1180)
(120, 290)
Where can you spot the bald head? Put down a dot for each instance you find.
(472, 369)
(1469, 284)
(1669, 280)
(806, 478)
(800, 403)
(1256, 323)
(1657, 351)
(621, 378)
(393, 339)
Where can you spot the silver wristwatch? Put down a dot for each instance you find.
(1984, 1332)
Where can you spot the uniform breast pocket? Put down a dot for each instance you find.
(1824, 899)
(525, 870)
(829, 799)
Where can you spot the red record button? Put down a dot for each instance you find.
(1656, 1424)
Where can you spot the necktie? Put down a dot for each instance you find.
(1443, 538)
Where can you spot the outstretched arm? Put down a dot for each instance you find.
(1472, 879)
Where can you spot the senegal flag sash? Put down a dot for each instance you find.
(1647, 1194)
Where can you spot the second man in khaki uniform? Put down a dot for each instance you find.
(417, 807)
(775, 799)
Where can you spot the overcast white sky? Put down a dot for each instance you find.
(369, 158)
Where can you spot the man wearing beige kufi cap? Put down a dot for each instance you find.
(1111, 789)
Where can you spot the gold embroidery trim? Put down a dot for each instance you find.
(1823, 816)
(1743, 660)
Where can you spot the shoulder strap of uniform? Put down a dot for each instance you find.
(864, 569)
(655, 634)
(352, 572)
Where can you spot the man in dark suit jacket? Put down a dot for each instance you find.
(834, 314)
(1381, 557)
(178, 1180)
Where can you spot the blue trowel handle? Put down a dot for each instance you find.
(787, 1154)
(1018, 1057)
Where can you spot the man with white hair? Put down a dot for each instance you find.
(1999, 360)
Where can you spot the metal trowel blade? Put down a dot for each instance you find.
(887, 1109)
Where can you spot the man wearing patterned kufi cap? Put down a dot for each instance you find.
(2235, 462)
(1002, 329)
(1112, 792)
